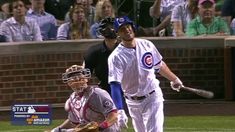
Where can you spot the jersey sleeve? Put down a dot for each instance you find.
(115, 73)
(103, 102)
(176, 13)
(36, 31)
(62, 32)
(5, 30)
(157, 58)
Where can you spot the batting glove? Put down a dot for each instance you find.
(176, 84)
(122, 119)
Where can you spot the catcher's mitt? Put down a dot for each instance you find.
(89, 127)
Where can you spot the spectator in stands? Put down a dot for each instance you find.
(19, 27)
(104, 8)
(162, 9)
(233, 27)
(46, 21)
(182, 14)
(89, 11)
(228, 10)
(58, 8)
(206, 23)
(77, 28)
(4, 10)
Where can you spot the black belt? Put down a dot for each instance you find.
(139, 97)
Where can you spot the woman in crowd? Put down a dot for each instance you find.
(104, 8)
(77, 28)
(88, 8)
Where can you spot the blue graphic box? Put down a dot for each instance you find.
(31, 114)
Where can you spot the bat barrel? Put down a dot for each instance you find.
(200, 92)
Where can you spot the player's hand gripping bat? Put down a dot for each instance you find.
(200, 92)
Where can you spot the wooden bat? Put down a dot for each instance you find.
(200, 92)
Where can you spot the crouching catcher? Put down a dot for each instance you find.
(90, 109)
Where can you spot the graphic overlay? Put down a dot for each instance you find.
(31, 114)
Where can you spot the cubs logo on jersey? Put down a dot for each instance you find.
(147, 60)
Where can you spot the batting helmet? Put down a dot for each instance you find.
(75, 71)
(120, 21)
(106, 28)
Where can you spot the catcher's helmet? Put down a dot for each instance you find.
(76, 77)
(74, 72)
(120, 21)
(106, 28)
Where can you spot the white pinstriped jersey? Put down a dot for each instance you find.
(134, 68)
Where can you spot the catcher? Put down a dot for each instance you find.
(90, 109)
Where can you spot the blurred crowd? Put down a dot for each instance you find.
(42, 20)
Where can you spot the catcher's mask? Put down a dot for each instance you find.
(106, 28)
(76, 77)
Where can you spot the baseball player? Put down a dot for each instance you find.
(132, 67)
(96, 59)
(87, 103)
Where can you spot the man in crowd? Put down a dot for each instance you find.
(19, 27)
(206, 23)
(46, 21)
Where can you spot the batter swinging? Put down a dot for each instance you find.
(132, 67)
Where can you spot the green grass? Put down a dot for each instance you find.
(200, 124)
(172, 124)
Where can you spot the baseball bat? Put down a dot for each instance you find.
(200, 92)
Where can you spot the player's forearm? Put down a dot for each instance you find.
(110, 120)
(166, 21)
(178, 28)
(166, 72)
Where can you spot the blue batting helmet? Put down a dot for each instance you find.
(120, 21)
